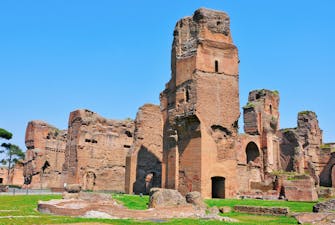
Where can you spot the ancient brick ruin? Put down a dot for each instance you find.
(96, 150)
(44, 156)
(191, 141)
(144, 160)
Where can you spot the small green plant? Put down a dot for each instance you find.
(282, 173)
(305, 112)
(249, 105)
(276, 92)
(286, 130)
(325, 146)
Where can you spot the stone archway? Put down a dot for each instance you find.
(252, 153)
(218, 187)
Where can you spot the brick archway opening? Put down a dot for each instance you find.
(218, 187)
(252, 152)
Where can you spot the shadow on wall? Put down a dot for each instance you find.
(148, 172)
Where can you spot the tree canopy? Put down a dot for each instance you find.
(13, 154)
(5, 134)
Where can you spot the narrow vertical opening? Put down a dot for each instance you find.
(216, 66)
(187, 95)
(270, 109)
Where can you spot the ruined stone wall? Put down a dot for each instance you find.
(261, 117)
(326, 166)
(200, 106)
(44, 156)
(3, 175)
(144, 161)
(96, 151)
(300, 188)
(249, 161)
(16, 174)
(301, 150)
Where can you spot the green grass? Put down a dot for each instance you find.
(132, 201)
(26, 206)
(293, 206)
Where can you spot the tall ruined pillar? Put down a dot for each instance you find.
(261, 117)
(200, 107)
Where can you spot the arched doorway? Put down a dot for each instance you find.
(218, 187)
(252, 153)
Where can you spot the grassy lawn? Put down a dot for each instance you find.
(25, 207)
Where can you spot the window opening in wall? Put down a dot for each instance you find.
(128, 133)
(187, 95)
(270, 109)
(216, 66)
(1, 180)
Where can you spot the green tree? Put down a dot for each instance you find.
(13, 155)
(5, 134)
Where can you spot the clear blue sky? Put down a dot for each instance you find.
(113, 56)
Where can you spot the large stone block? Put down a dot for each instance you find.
(300, 188)
(160, 198)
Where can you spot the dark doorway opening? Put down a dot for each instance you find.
(218, 187)
(1, 180)
(252, 152)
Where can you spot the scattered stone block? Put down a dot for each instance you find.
(315, 218)
(300, 188)
(326, 206)
(160, 197)
(274, 211)
(195, 198)
(73, 188)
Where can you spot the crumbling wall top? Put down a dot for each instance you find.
(205, 24)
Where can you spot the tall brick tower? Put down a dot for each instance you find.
(200, 107)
